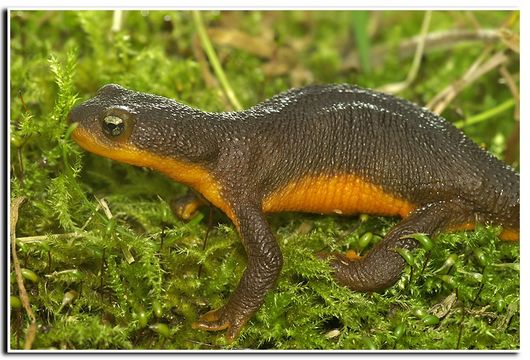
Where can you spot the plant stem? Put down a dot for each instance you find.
(210, 52)
(508, 104)
(24, 298)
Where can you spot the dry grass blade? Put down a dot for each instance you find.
(207, 76)
(32, 330)
(103, 203)
(510, 39)
(40, 238)
(512, 144)
(117, 20)
(239, 40)
(214, 61)
(479, 68)
(413, 72)
(514, 89)
(435, 41)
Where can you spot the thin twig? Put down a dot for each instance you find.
(22, 101)
(40, 238)
(444, 98)
(212, 56)
(205, 240)
(434, 41)
(32, 330)
(25, 139)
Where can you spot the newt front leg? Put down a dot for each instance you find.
(264, 265)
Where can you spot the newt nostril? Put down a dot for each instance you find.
(73, 115)
(69, 118)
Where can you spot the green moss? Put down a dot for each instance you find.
(136, 274)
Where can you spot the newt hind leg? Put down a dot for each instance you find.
(382, 266)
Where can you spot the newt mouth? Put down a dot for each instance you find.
(180, 171)
(88, 142)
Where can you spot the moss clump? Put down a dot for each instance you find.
(117, 271)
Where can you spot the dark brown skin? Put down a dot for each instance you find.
(326, 149)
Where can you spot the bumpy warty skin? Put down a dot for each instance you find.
(333, 129)
(323, 129)
(317, 132)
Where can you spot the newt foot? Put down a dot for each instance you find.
(221, 319)
(184, 208)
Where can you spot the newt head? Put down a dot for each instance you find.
(151, 131)
(106, 123)
(135, 127)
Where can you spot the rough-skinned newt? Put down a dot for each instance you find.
(331, 149)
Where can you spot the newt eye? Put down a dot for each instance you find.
(113, 126)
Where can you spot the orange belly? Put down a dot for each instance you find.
(338, 194)
(509, 235)
(180, 171)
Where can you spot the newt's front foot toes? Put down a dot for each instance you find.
(220, 319)
(212, 321)
(184, 208)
